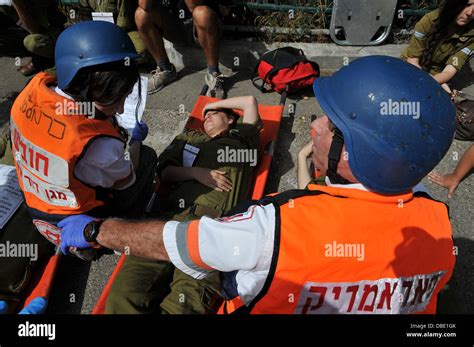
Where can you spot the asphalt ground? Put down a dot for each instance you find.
(78, 284)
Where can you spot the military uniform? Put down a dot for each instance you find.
(146, 286)
(39, 44)
(15, 272)
(455, 50)
(124, 16)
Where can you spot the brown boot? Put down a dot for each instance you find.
(28, 69)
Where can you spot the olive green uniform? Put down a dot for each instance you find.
(15, 272)
(146, 286)
(40, 44)
(124, 16)
(454, 50)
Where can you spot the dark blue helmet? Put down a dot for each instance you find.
(396, 120)
(90, 43)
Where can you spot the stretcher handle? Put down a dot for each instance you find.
(283, 99)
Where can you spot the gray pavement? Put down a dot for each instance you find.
(79, 284)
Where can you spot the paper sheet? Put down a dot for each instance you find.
(127, 118)
(10, 193)
(103, 16)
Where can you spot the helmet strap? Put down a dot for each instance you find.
(334, 156)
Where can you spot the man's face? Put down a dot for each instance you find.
(466, 15)
(216, 122)
(322, 139)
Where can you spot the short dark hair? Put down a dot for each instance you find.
(231, 114)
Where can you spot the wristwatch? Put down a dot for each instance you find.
(92, 230)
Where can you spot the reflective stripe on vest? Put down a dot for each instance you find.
(351, 251)
(46, 146)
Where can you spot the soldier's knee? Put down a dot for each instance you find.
(204, 16)
(39, 44)
(146, 17)
(121, 301)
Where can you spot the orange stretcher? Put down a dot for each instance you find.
(271, 119)
(42, 280)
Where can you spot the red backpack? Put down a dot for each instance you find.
(285, 69)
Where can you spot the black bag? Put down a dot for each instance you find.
(465, 120)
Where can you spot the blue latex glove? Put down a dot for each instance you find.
(3, 307)
(73, 232)
(140, 132)
(36, 306)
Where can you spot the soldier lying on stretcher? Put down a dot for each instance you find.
(208, 173)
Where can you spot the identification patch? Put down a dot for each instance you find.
(189, 155)
(51, 232)
(103, 16)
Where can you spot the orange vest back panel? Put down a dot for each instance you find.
(353, 251)
(48, 137)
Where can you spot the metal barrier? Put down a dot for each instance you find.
(316, 6)
(310, 6)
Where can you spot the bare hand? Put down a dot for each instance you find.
(215, 179)
(447, 181)
(307, 150)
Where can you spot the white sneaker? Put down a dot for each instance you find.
(160, 78)
(215, 82)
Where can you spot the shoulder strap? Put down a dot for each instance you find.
(285, 197)
(425, 195)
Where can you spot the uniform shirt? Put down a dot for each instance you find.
(242, 242)
(104, 162)
(123, 11)
(194, 148)
(454, 50)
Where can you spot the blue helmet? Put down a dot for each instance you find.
(396, 121)
(90, 43)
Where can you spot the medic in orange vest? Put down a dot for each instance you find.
(368, 242)
(69, 151)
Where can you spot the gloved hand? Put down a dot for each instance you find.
(36, 306)
(73, 232)
(3, 307)
(140, 132)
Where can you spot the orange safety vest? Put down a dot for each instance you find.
(340, 250)
(48, 138)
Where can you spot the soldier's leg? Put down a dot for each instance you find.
(191, 296)
(207, 28)
(150, 28)
(15, 272)
(139, 287)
